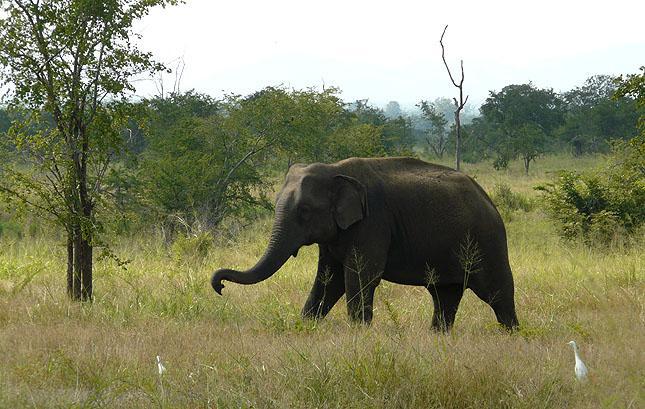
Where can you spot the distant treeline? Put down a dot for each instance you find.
(190, 159)
(523, 121)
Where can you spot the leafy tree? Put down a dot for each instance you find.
(366, 113)
(314, 118)
(69, 64)
(203, 160)
(596, 206)
(396, 134)
(362, 140)
(633, 86)
(397, 137)
(437, 137)
(481, 142)
(5, 120)
(531, 145)
(519, 120)
(593, 117)
(208, 159)
(393, 110)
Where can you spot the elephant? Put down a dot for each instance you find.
(402, 220)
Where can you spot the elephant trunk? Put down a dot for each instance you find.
(279, 249)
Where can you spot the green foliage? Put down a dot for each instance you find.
(507, 200)
(593, 118)
(633, 86)
(201, 162)
(602, 205)
(5, 120)
(206, 159)
(310, 117)
(68, 65)
(10, 228)
(436, 138)
(192, 245)
(397, 137)
(363, 140)
(396, 134)
(518, 121)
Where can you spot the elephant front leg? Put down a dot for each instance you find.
(363, 272)
(327, 289)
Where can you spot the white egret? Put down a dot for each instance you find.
(160, 366)
(580, 368)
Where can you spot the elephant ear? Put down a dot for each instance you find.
(350, 201)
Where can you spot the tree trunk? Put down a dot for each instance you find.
(79, 266)
(458, 140)
(86, 270)
(79, 243)
(527, 161)
(577, 145)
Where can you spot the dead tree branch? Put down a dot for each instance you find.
(459, 104)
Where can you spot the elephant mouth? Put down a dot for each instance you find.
(307, 243)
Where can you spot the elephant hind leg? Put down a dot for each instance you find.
(505, 313)
(446, 300)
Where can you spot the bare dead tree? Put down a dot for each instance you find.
(179, 73)
(459, 105)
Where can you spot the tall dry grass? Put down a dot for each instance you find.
(250, 348)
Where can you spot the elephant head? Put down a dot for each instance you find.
(313, 206)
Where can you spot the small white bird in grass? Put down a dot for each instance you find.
(160, 366)
(581, 368)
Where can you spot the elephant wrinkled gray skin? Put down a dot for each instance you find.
(397, 219)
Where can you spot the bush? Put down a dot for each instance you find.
(10, 228)
(507, 200)
(192, 246)
(602, 205)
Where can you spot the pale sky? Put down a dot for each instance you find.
(389, 50)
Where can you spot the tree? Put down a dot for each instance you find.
(436, 138)
(363, 140)
(393, 110)
(208, 159)
(202, 161)
(593, 117)
(366, 113)
(69, 65)
(633, 86)
(5, 121)
(314, 118)
(459, 105)
(531, 145)
(395, 133)
(519, 120)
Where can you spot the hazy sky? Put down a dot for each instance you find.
(389, 50)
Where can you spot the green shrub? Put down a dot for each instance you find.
(507, 200)
(193, 246)
(602, 205)
(10, 228)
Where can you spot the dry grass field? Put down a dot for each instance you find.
(250, 348)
